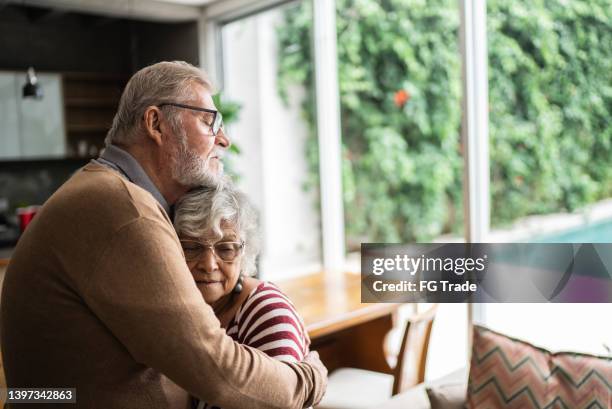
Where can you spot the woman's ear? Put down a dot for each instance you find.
(152, 124)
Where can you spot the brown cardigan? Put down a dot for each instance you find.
(98, 296)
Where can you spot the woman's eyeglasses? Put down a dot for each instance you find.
(226, 251)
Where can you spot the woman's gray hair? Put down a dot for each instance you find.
(164, 81)
(205, 209)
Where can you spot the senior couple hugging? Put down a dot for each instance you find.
(134, 284)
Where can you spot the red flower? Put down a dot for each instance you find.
(401, 97)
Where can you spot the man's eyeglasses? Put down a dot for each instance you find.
(215, 125)
(226, 251)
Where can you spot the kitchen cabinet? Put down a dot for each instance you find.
(9, 119)
(31, 128)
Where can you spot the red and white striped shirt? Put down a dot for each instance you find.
(268, 321)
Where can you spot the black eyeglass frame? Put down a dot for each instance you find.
(217, 123)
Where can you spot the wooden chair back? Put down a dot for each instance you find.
(410, 366)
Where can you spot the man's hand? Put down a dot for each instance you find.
(313, 360)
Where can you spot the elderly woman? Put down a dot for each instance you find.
(217, 228)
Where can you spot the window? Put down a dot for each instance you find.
(402, 157)
(277, 146)
(550, 149)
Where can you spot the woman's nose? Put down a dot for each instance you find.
(208, 261)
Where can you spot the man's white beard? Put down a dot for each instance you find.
(190, 170)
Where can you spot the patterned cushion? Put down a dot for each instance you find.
(509, 373)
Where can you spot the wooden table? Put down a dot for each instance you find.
(345, 332)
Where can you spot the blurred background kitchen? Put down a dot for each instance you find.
(54, 119)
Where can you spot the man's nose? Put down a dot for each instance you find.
(222, 139)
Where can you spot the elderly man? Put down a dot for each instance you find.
(98, 296)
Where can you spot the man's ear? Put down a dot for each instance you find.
(152, 124)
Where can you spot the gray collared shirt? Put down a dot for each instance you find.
(118, 159)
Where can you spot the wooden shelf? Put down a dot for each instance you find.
(86, 128)
(95, 76)
(91, 102)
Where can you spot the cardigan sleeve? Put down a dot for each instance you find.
(143, 291)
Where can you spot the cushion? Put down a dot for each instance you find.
(450, 396)
(416, 397)
(509, 373)
(413, 398)
(352, 388)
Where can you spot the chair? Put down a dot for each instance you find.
(352, 388)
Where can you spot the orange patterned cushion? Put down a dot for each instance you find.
(509, 373)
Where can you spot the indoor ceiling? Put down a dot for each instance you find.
(155, 10)
(191, 2)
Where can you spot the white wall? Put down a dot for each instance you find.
(272, 138)
(448, 347)
(241, 80)
(558, 327)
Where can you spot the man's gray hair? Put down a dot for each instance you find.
(206, 209)
(164, 81)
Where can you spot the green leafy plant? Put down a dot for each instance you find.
(400, 91)
(550, 65)
(231, 112)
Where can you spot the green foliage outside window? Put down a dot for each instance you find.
(231, 112)
(550, 93)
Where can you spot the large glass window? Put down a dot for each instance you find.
(399, 69)
(399, 72)
(278, 146)
(551, 143)
(551, 136)
(400, 94)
